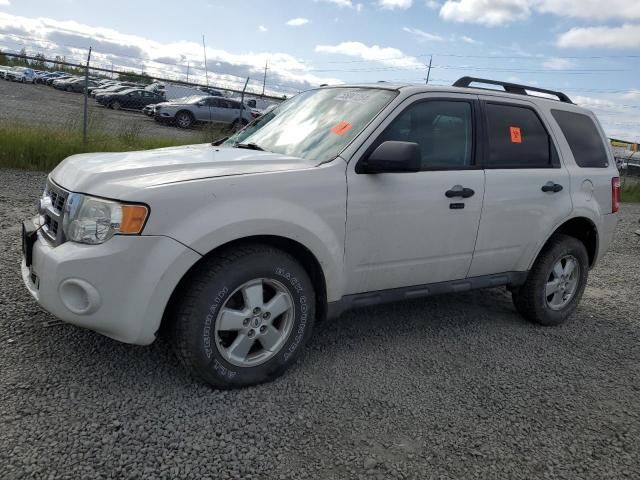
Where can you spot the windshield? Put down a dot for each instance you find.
(315, 125)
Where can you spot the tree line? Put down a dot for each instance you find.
(40, 62)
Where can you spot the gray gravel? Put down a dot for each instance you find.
(452, 387)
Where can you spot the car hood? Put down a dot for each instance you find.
(121, 175)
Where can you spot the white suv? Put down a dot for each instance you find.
(341, 197)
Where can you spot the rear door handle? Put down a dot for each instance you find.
(459, 191)
(551, 187)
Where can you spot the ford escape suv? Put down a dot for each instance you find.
(340, 197)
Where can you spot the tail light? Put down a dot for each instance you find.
(615, 194)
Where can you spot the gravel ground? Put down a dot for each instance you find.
(43, 105)
(447, 387)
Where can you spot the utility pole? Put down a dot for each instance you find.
(264, 79)
(85, 123)
(429, 68)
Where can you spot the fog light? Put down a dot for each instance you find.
(79, 296)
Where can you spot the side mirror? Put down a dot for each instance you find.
(200, 104)
(393, 157)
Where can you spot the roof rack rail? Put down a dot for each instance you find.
(510, 87)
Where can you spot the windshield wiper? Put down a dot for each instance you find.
(249, 146)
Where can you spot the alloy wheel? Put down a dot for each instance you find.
(255, 322)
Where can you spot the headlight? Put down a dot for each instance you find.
(93, 220)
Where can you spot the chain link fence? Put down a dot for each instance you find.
(51, 107)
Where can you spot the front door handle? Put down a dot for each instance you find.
(459, 191)
(551, 187)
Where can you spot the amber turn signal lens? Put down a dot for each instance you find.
(133, 218)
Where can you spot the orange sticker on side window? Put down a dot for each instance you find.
(516, 135)
(341, 128)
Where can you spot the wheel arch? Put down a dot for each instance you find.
(581, 228)
(300, 252)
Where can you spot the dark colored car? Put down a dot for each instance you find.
(135, 99)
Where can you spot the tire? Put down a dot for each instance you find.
(236, 123)
(184, 119)
(68, 89)
(217, 290)
(550, 275)
(115, 105)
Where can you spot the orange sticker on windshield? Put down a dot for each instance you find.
(341, 128)
(516, 135)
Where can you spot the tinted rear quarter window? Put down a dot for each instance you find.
(517, 138)
(583, 138)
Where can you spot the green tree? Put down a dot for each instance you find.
(135, 77)
(3, 59)
(40, 62)
(22, 61)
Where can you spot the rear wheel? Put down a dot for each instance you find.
(556, 282)
(116, 105)
(244, 316)
(184, 119)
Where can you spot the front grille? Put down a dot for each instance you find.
(53, 213)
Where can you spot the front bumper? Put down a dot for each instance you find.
(119, 288)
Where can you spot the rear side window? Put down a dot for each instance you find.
(583, 139)
(517, 138)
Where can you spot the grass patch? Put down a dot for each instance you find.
(42, 148)
(630, 191)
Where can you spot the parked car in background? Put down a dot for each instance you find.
(114, 88)
(73, 84)
(102, 85)
(172, 91)
(50, 80)
(21, 74)
(149, 110)
(189, 111)
(134, 99)
(3, 70)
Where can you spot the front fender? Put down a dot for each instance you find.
(306, 205)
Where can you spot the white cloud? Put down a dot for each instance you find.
(486, 12)
(339, 3)
(423, 36)
(168, 60)
(470, 40)
(554, 63)
(593, 9)
(592, 102)
(432, 4)
(625, 36)
(384, 55)
(393, 4)
(262, 28)
(298, 22)
(359, 7)
(501, 12)
(5, 3)
(633, 94)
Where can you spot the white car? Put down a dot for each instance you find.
(341, 197)
(21, 74)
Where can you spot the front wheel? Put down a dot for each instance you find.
(184, 119)
(115, 105)
(244, 316)
(556, 282)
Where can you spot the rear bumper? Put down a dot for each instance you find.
(606, 233)
(119, 289)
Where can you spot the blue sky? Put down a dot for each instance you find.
(588, 48)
